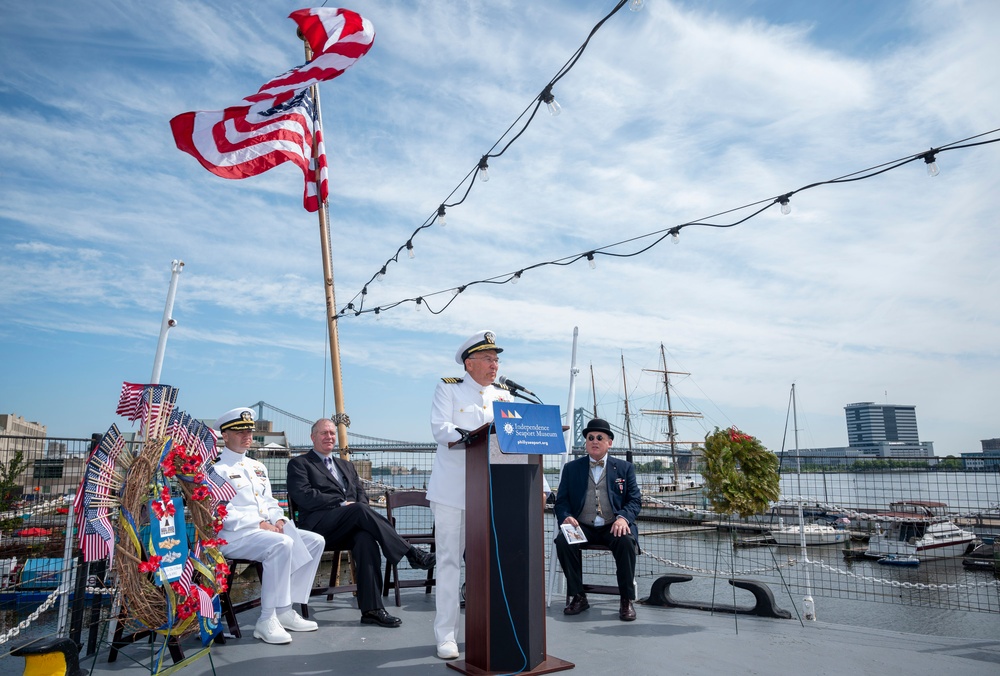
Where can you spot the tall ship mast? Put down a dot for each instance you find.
(671, 414)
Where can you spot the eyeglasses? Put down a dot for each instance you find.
(595, 437)
(488, 360)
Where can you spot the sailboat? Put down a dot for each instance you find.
(803, 534)
(688, 483)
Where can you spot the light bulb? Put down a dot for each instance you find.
(409, 250)
(635, 5)
(591, 262)
(418, 303)
(440, 218)
(484, 174)
(517, 277)
(381, 275)
(675, 237)
(378, 314)
(364, 291)
(932, 167)
(550, 101)
(786, 206)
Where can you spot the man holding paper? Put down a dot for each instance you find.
(599, 495)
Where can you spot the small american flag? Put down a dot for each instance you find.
(129, 399)
(221, 489)
(205, 608)
(186, 574)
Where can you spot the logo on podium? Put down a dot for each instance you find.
(528, 428)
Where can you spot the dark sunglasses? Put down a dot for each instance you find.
(595, 437)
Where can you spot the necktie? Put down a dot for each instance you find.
(329, 468)
(596, 463)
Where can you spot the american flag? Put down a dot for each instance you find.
(186, 574)
(221, 489)
(205, 608)
(129, 399)
(237, 143)
(93, 517)
(279, 123)
(337, 38)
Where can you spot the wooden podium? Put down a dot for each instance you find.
(504, 580)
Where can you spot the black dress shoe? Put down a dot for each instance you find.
(626, 612)
(380, 617)
(577, 605)
(420, 559)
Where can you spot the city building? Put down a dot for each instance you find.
(874, 432)
(987, 460)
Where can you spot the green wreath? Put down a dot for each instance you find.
(740, 475)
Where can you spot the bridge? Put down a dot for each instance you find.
(296, 429)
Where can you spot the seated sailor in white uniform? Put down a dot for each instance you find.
(256, 528)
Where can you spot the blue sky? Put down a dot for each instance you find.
(882, 290)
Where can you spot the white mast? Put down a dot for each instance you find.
(176, 267)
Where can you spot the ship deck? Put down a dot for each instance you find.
(662, 641)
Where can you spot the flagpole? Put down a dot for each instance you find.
(340, 418)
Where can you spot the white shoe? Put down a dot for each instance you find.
(292, 621)
(271, 631)
(448, 650)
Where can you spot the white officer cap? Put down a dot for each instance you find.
(236, 419)
(478, 342)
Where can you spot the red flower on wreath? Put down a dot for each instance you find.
(201, 493)
(735, 435)
(151, 565)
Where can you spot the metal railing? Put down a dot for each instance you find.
(678, 533)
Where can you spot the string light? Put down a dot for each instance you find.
(549, 100)
(484, 174)
(378, 314)
(381, 275)
(635, 5)
(673, 232)
(786, 206)
(930, 158)
(675, 235)
(409, 249)
(420, 301)
(511, 133)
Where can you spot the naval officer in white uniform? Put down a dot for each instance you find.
(460, 406)
(256, 528)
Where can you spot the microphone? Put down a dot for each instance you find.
(504, 380)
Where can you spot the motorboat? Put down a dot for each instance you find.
(815, 534)
(899, 560)
(918, 528)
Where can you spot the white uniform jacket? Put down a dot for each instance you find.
(253, 502)
(467, 405)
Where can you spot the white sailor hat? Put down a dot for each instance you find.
(478, 342)
(236, 419)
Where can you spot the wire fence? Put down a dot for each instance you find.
(913, 537)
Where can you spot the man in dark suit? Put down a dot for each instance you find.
(600, 495)
(331, 501)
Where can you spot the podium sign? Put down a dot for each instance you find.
(528, 428)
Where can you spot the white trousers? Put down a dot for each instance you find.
(449, 538)
(290, 561)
